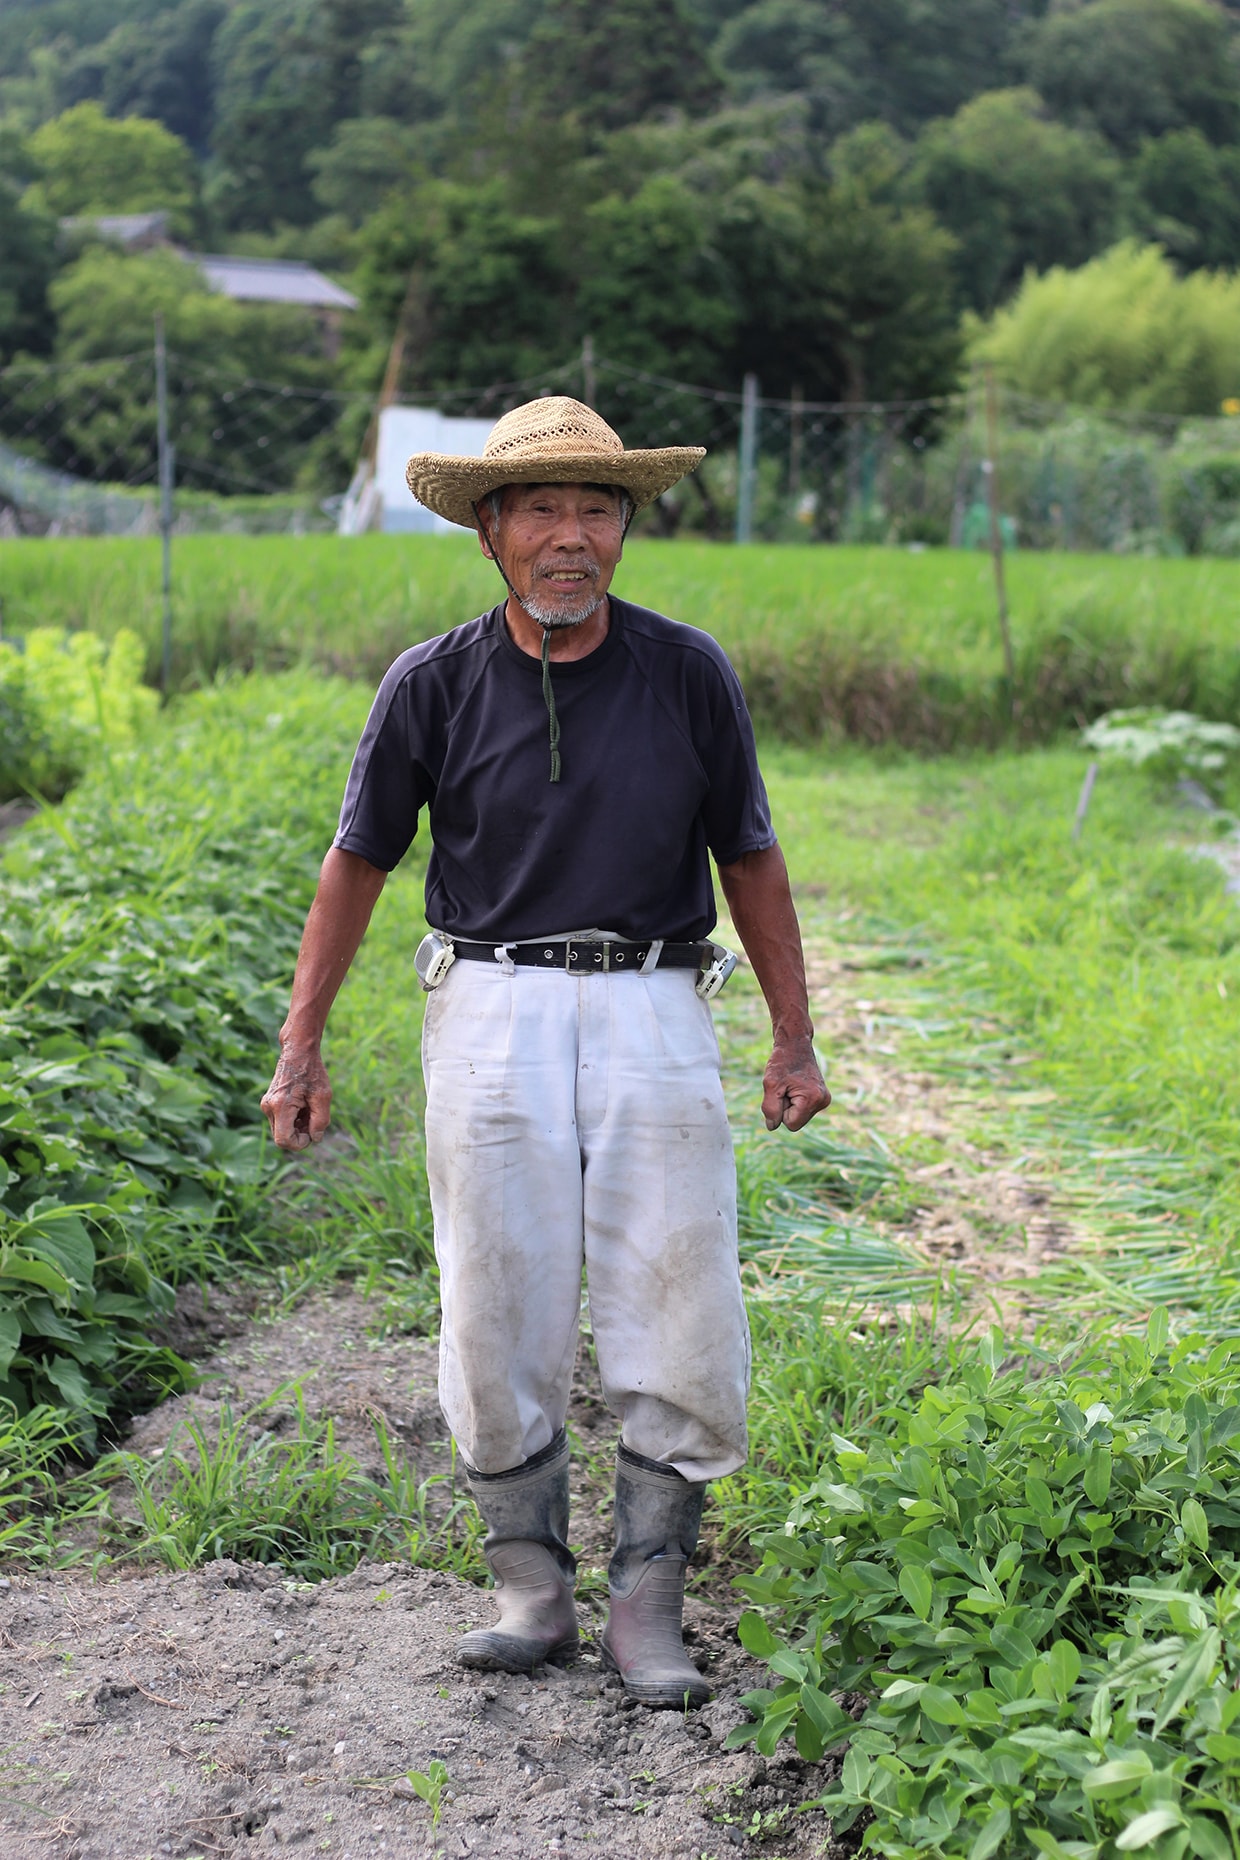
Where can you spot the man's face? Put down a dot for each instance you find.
(559, 544)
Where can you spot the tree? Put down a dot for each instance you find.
(27, 265)
(1122, 331)
(883, 323)
(157, 68)
(1016, 189)
(653, 289)
(854, 292)
(903, 61)
(1139, 68)
(286, 73)
(491, 293)
(1187, 198)
(616, 65)
(367, 158)
(443, 60)
(89, 164)
(273, 104)
(104, 304)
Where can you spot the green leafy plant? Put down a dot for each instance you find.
(1035, 1582)
(64, 699)
(1168, 743)
(150, 926)
(430, 1784)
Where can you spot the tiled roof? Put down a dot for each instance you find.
(272, 281)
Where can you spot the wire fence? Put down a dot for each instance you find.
(79, 456)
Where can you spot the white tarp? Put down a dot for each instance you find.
(379, 498)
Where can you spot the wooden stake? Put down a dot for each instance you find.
(794, 444)
(1082, 806)
(991, 472)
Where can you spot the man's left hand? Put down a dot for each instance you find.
(794, 1089)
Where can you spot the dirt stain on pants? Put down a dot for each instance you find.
(580, 1120)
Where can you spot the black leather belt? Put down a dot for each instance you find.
(587, 958)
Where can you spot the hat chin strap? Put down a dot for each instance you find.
(548, 691)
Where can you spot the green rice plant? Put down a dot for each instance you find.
(1036, 1586)
(878, 646)
(273, 1488)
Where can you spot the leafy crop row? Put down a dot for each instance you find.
(150, 929)
(1034, 1581)
(65, 698)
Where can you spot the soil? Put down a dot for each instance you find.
(229, 1710)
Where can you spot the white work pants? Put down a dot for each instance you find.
(572, 1118)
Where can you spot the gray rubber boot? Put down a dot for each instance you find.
(527, 1553)
(658, 1517)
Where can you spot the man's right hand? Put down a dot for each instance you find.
(298, 1102)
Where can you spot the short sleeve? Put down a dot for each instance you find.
(389, 781)
(735, 813)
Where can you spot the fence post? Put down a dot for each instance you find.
(165, 493)
(748, 460)
(794, 444)
(589, 379)
(990, 469)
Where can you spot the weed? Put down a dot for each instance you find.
(430, 1785)
(292, 1499)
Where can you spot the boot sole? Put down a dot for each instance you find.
(503, 1654)
(660, 1692)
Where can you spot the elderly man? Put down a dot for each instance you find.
(579, 758)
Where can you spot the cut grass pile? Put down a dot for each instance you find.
(1112, 963)
(875, 645)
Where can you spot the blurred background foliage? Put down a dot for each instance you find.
(848, 198)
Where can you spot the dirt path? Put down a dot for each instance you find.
(228, 1711)
(992, 1216)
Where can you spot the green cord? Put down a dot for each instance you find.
(549, 695)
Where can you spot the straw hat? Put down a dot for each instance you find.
(550, 441)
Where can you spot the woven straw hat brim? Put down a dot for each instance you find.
(452, 486)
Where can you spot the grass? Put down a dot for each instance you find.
(875, 645)
(250, 1491)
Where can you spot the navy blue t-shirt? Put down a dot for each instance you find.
(658, 769)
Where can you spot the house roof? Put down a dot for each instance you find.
(272, 281)
(122, 228)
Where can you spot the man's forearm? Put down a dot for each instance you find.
(348, 890)
(759, 899)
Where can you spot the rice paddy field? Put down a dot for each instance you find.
(872, 645)
(995, 1293)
